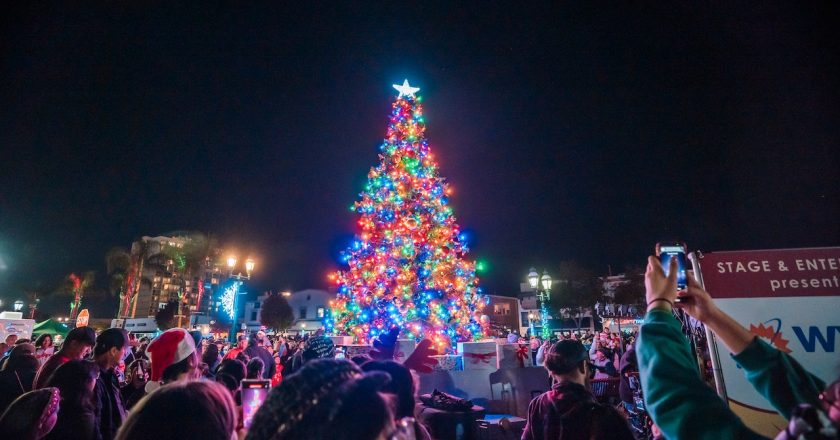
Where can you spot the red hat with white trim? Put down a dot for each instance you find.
(172, 346)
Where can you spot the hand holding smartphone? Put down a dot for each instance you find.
(253, 392)
(668, 250)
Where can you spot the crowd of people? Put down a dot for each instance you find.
(179, 385)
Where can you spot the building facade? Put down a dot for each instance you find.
(161, 273)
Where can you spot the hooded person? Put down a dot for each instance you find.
(326, 398)
(172, 356)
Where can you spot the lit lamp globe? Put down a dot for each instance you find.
(546, 280)
(249, 266)
(231, 262)
(533, 278)
(18, 305)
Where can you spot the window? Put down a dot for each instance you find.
(501, 309)
(256, 304)
(320, 312)
(308, 297)
(302, 313)
(253, 316)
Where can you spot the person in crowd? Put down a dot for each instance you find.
(204, 409)
(110, 349)
(254, 369)
(211, 359)
(327, 398)
(534, 344)
(18, 374)
(318, 347)
(44, 348)
(603, 365)
(4, 348)
(679, 402)
(136, 377)
(256, 350)
(627, 368)
(230, 373)
(241, 344)
(404, 391)
(76, 381)
(31, 416)
(280, 349)
(11, 338)
(569, 410)
(77, 345)
(173, 358)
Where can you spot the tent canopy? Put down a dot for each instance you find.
(50, 326)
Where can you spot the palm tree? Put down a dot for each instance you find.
(134, 277)
(117, 266)
(78, 285)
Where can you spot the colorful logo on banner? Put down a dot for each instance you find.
(772, 336)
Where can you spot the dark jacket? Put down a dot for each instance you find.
(74, 423)
(109, 408)
(13, 385)
(569, 412)
(627, 364)
(260, 352)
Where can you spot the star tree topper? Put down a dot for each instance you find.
(405, 89)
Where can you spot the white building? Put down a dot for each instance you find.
(309, 307)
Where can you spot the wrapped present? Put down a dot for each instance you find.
(404, 349)
(514, 356)
(341, 341)
(353, 350)
(448, 362)
(480, 356)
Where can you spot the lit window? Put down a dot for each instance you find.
(320, 312)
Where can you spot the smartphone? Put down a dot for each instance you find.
(667, 251)
(253, 392)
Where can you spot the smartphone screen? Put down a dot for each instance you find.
(254, 393)
(668, 251)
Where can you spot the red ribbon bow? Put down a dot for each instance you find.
(521, 354)
(480, 357)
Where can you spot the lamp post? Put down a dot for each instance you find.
(542, 287)
(234, 292)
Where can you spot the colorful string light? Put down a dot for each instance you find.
(407, 265)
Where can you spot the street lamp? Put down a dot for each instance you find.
(231, 294)
(18, 305)
(542, 287)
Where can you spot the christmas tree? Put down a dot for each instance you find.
(407, 265)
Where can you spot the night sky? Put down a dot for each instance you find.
(583, 132)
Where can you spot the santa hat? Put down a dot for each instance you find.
(172, 346)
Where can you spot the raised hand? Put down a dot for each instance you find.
(421, 359)
(385, 345)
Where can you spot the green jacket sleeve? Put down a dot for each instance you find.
(778, 377)
(679, 402)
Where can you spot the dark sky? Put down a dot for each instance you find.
(583, 132)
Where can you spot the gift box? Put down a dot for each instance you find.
(341, 341)
(480, 356)
(514, 356)
(448, 362)
(403, 349)
(352, 350)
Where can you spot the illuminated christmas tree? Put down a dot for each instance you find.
(407, 266)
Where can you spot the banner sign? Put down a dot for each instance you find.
(788, 297)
